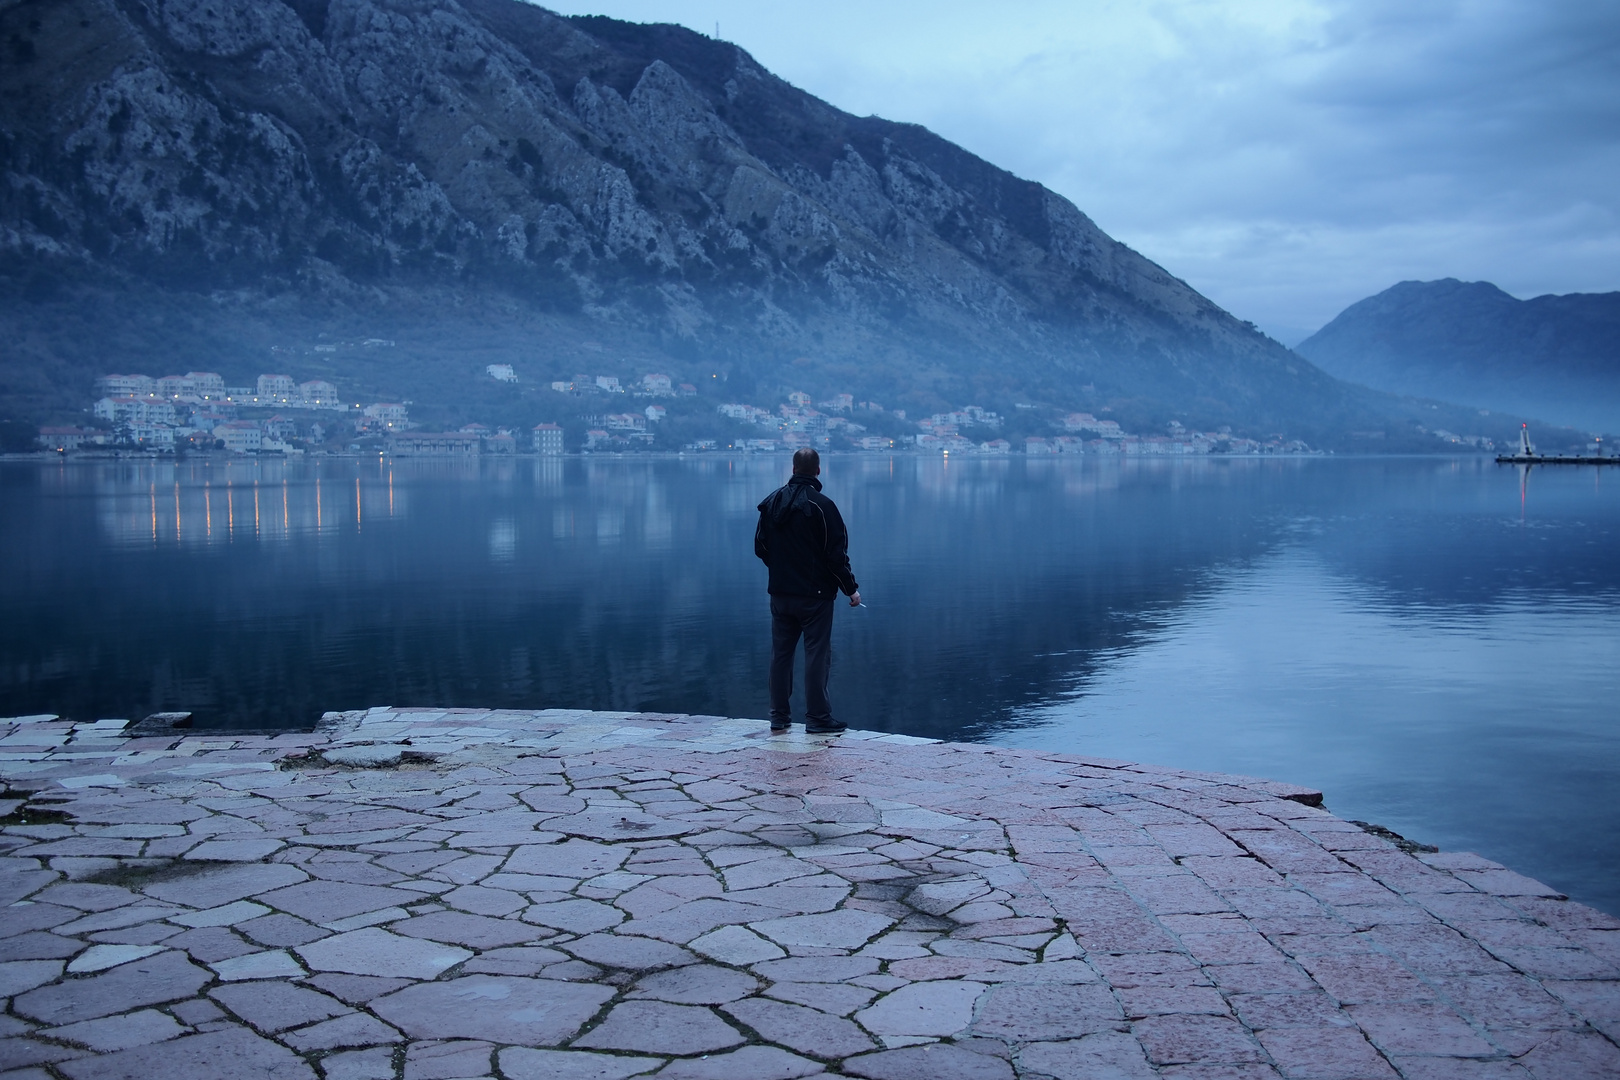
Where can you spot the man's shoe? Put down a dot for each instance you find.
(780, 727)
(833, 728)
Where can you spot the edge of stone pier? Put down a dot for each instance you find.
(405, 893)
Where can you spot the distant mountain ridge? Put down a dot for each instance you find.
(1552, 357)
(191, 183)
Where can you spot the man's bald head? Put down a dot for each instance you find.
(806, 462)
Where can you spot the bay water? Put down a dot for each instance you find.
(1434, 643)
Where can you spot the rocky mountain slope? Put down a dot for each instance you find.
(1553, 357)
(193, 183)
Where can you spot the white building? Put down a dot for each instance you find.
(124, 386)
(609, 383)
(152, 436)
(240, 436)
(388, 415)
(655, 412)
(548, 439)
(176, 386)
(206, 385)
(658, 385)
(318, 394)
(748, 414)
(276, 389)
(501, 372)
(131, 410)
(281, 427)
(68, 438)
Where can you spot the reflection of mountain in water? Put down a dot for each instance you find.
(268, 593)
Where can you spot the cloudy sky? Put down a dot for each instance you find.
(1286, 157)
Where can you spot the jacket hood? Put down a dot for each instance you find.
(791, 498)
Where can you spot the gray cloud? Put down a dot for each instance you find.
(1286, 158)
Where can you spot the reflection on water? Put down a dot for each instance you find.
(1432, 646)
(189, 504)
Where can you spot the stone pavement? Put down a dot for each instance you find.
(426, 895)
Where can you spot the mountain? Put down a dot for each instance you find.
(260, 185)
(1553, 357)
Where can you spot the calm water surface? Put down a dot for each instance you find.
(1434, 643)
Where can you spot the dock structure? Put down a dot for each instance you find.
(1526, 455)
(464, 893)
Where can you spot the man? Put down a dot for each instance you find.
(802, 539)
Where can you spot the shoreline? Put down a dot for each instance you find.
(564, 891)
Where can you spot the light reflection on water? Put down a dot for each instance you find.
(1430, 644)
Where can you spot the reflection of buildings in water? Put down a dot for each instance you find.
(503, 540)
(657, 524)
(547, 472)
(182, 503)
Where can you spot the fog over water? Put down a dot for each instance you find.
(1433, 643)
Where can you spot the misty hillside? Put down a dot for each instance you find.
(1553, 357)
(221, 184)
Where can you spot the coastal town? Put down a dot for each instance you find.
(199, 412)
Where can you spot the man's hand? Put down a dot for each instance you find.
(855, 598)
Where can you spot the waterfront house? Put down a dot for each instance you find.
(69, 438)
(433, 444)
(1037, 445)
(240, 436)
(597, 439)
(548, 439)
(150, 436)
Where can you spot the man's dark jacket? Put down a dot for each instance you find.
(801, 537)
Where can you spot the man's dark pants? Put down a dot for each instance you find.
(793, 617)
